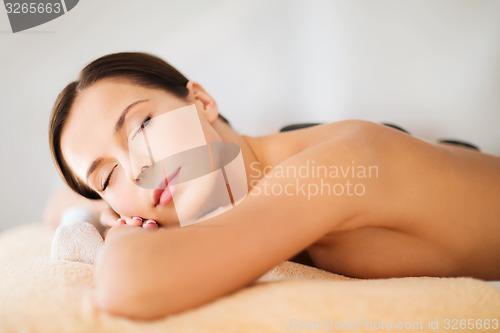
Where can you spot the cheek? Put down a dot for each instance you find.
(124, 197)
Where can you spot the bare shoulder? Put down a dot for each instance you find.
(350, 168)
(275, 148)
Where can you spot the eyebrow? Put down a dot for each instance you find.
(118, 127)
(93, 166)
(121, 120)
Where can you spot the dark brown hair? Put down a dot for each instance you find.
(138, 68)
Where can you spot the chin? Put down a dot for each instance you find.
(198, 197)
(166, 217)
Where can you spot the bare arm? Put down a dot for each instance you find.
(64, 198)
(148, 275)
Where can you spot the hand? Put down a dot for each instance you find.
(121, 223)
(110, 218)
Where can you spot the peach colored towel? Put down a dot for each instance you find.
(38, 294)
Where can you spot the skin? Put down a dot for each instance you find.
(432, 211)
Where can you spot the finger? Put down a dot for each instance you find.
(150, 225)
(119, 221)
(108, 217)
(135, 221)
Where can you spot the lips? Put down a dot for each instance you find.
(163, 194)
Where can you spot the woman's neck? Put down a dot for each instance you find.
(251, 149)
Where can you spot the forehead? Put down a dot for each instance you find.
(104, 96)
(88, 133)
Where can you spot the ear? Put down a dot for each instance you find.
(208, 104)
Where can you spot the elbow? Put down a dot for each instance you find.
(125, 285)
(138, 277)
(116, 299)
(111, 300)
(125, 304)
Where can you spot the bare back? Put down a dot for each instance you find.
(436, 212)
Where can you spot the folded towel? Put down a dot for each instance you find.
(77, 237)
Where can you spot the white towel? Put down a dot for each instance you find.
(77, 237)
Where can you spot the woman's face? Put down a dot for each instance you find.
(95, 141)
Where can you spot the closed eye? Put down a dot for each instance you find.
(106, 183)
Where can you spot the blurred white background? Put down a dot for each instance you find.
(430, 66)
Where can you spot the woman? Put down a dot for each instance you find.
(361, 199)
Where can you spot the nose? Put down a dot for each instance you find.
(136, 163)
(143, 169)
(125, 163)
